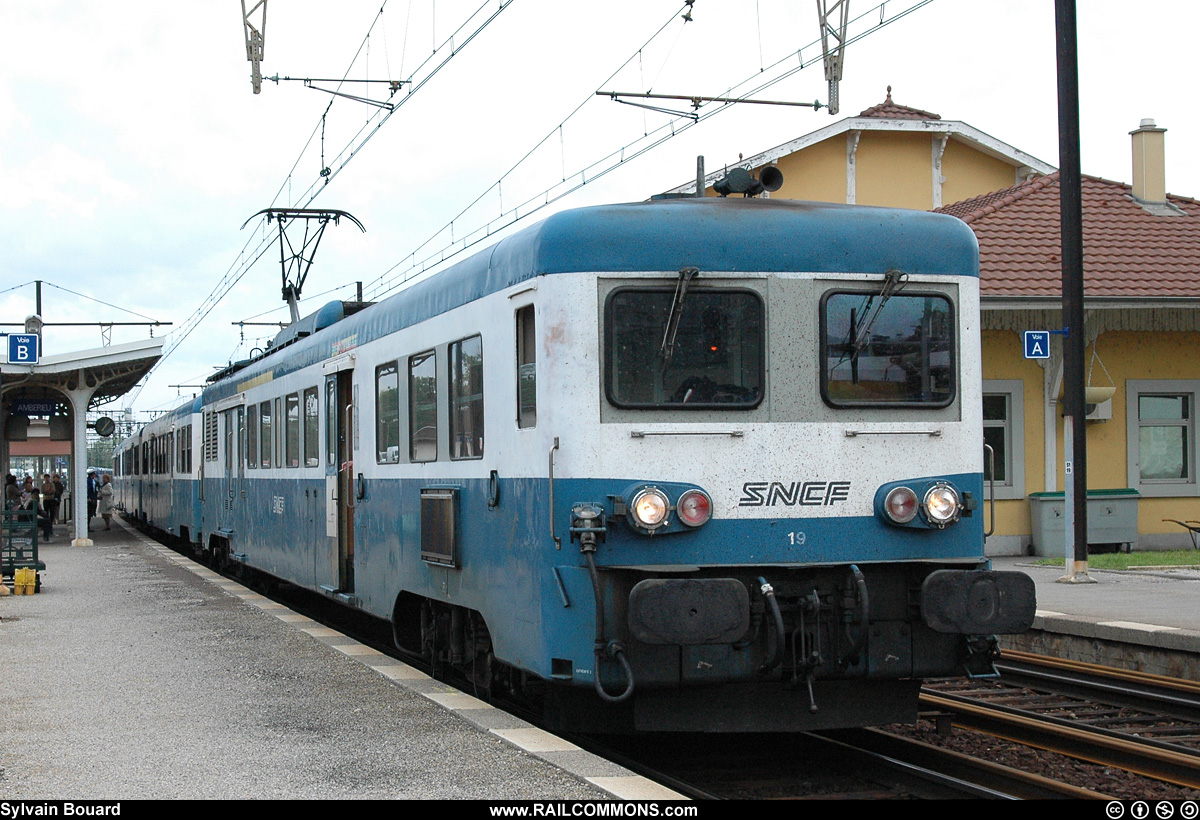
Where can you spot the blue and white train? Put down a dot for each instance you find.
(681, 465)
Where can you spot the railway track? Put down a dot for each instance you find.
(869, 764)
(1144, 724)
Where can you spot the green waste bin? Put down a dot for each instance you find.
(1112, 520)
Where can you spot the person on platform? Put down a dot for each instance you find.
(12, 492)
(105, 495)
(60, 490)
(93, 489)
(49, 504)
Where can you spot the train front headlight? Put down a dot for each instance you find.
(942, 505)
(650, 508)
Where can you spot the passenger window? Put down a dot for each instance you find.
(264, 430)
(292, 434)
(312, 440)
(387, 413)
(466, 398)
(422, 407)
(526, 368)
(331, 422)
(252, 437)
(277, 457)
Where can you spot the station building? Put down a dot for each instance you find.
(1142, 285)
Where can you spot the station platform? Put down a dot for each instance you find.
(137, 674)
(1147, 619)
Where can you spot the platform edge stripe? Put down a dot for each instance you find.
(635, 787)
(356, 650)
(399, 672)
(458, 701)
(535, 740)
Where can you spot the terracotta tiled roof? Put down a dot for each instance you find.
(891, 111)
(1128, 252)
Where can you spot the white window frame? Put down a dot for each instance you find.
(1014, 391)
(1160, 488)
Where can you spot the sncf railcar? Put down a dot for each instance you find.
(704, 464)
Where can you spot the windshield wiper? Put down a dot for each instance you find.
(667, 351)
(860, 327)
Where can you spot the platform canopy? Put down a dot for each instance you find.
(109, 372)
(82, 380)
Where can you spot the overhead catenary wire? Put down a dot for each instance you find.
(773, 74)
(251, 252)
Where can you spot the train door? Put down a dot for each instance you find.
(335, 567)
(233, 475)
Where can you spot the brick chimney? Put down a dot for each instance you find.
(1149, 162)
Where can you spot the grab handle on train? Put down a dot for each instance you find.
(991, 472)
(493, 490)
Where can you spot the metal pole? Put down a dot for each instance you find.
(1071, 216)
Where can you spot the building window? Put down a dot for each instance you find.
(387, 413)
(1004, 431)
(466, 398)
(1161, 436)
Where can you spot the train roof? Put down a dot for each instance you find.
(713, 234)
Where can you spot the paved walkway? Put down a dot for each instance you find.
(136, 673)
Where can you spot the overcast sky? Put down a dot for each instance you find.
(132, 148)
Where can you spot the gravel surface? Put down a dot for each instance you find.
(128, 677)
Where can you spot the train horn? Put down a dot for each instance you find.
(771, 178)
(739, 181)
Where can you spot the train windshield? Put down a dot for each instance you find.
(713, 356)
(887, 351)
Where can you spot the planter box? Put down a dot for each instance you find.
(1112, 520)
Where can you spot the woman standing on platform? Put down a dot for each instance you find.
(105, 504)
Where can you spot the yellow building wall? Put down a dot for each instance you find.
(969, 173)
(1125, 355)
(894, 170)
(1004, 358)
(816, 173)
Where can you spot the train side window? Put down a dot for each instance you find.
(387, 413)
(422, 406)
(264, 432)
(893, 351)
(252, 437)
(292, 436)
(466, 398)
(185, 454)
(277, 455)
(312, 440)
(145, 458)
(330, 426)
(526, 368)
